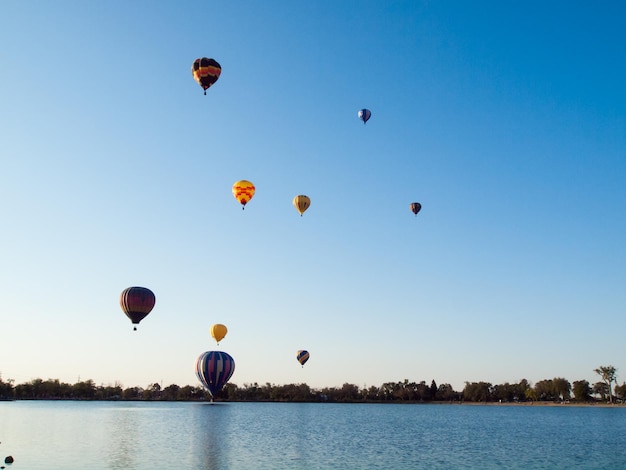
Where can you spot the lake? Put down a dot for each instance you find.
(86, 435)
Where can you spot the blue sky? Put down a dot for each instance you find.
(507, 121)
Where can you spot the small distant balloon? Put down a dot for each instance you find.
(243, 191)
(218, 331)
(415, 207)
(302, 356)
(214, 369)
(301, 203)
(364, 115)
(137, 303)
(206, 72)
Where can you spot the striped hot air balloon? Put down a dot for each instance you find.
(243, 191)
(214, 369)
(302, 356)
(137, 302)
(206, 72)
(301, 203)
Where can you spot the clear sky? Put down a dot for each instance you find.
(505, 120)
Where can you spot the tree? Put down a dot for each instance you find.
(170, 392)
(602, 389)
(620, 391)
(582, 390)
(6, 388)
(608, 374)
(132, 393)
(433, 390)
(545, 390)
(85, 389)
(562, 388)
(446, 392)
(477, 391)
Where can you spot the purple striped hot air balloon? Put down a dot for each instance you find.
(137, 303)
(214, 369)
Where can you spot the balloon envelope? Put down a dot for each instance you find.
(301, 203)
(206, 72)
(364, 115)
(137, 302)
(302, 356)
(415, 207)
(218, 331)
(214, 369)
(243, 191)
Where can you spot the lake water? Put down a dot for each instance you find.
(200, 436)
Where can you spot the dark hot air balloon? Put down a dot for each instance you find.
(415, 207)
(364, 115)
(206, 72)
(214, 369)
(137, 302)
(302, 356)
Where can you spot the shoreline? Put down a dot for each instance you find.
(542, 403)
(390, 402)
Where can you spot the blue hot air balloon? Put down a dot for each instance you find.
(214, 369)
(365, 115)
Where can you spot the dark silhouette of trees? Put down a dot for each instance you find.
(170, 393)
(602, 389)
(555, 390)
(478, 392)
(6, 389)
(608, 377)
(582, 390)
(620, 391)
(445, 392)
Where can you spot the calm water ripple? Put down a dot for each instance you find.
(224, 436)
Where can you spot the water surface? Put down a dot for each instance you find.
(200, 436)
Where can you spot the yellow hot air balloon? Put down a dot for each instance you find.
(218, 331)
(243, 191)
(301, 203)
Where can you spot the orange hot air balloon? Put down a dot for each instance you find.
(206, 72)
(301, 203)
(137, 303)
(243, 191)
(218, 331)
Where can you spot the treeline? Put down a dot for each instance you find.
(551, 390)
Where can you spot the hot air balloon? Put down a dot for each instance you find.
(243, 191)
(218, 331)
(206, 72)
(302, 356)
(214, 369)
(301, 203)
(364, 115)
(137, 302)
(415, 207)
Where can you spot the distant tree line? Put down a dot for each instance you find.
(551, 390)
